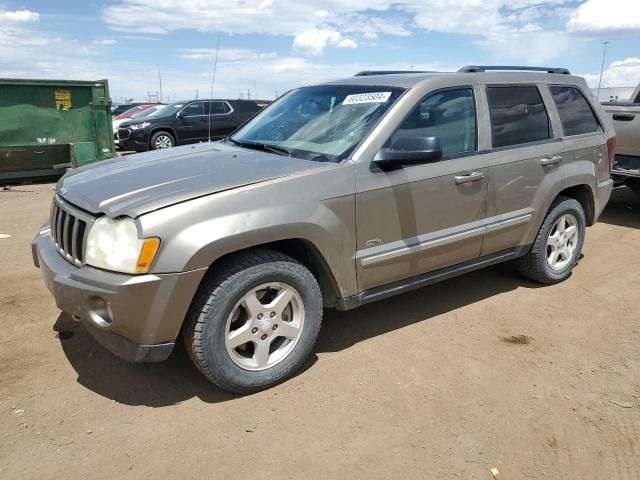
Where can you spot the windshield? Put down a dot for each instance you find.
(169, 109)
(323, 123)
(148, 112)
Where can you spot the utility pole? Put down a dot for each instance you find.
(604, 54)
(248, 94)
(160, 81)
(276, 93)
(196, 90)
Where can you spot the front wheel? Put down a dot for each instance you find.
(161, 141)
(558, 245)
(254, 321)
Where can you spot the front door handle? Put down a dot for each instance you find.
(468, 177)
(551, 161)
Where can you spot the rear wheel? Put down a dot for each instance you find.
(558, 245)
(255, 321)
(161, 141)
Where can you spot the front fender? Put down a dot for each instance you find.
(196, 233)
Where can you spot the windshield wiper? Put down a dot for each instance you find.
(261, 146)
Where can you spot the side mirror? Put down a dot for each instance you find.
(409, 150)
(180, 115)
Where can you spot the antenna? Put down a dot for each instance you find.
(213, 81)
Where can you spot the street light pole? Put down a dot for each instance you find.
(604, 54)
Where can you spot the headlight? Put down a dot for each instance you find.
(137, 126)
(114, 245)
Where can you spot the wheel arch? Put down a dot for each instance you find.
(583, 193)
(305, 252)
(168, 130)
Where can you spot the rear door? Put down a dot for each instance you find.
(584, 139)
(223, 120)
(527, 163)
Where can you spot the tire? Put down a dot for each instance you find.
(634, 185)
(225, 305)
(161, 140)
(536, 265)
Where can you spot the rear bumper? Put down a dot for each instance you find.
(625, 167)
(603, 196)
(136, 317)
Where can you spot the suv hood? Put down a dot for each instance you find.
(144, 182)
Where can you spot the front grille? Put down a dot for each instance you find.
(123, 133)
(69, 232)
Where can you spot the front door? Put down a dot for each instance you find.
(192, 123)
(426, 217)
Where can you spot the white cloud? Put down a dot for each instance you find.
(313, 42)
(105, 42)
(224, 54)
(18, 16)
(315, 24)
(347, 43)
(606, 16)
(621, 73)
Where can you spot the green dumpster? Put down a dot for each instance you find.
(47, 126)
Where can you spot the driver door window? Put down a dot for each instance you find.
(193, 109)
(449, 115)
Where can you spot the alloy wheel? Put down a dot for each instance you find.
(562, 242)
(264, 326)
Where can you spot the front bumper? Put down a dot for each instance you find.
(137, 140)
(136, 317)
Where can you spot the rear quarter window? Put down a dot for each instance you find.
(518, 115)
(576, 114)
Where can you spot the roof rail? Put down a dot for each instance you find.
(367, 73)
(484, 68)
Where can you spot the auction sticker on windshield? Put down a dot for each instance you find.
(372, 97)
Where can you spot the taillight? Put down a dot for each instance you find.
(611, 150)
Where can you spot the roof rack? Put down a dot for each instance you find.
(367, 73)
(484, 68)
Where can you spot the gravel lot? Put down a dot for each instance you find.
(486, 370)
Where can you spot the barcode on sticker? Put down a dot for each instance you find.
(373, 97)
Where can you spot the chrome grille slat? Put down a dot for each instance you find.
(74, 240)
(65, 234)
(61, 216)
(69, 230)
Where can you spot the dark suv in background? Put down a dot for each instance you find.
(191, 121)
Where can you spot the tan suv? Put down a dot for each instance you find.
(336, 195)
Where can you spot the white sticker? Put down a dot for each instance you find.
(373, 97)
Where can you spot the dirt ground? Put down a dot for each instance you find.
(486, 370)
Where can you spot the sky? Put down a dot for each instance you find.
(267, 47)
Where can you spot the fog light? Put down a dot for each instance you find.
(100, 312)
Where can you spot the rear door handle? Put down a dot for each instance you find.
(551, 161)
(468, 177)
(623, 117)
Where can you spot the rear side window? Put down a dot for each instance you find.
(449, 115)
(517, 115)
(246, 106)
(218, 108)
(575, 112)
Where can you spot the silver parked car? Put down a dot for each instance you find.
(334, 196)
(626, 121)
